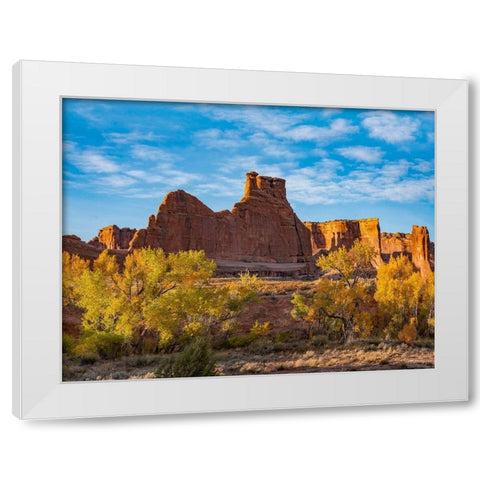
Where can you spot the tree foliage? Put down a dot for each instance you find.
(335, 309)
(349, 264)
(72, 268)
(168, 294)
(338, 307)
(404, 297)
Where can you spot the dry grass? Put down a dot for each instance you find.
(330, 360)
(242, 362)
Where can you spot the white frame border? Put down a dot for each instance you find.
(37, 388)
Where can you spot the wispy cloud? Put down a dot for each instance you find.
(274, 122)
(423, 166)
(390, 127)
(89, 160)
(151, 153)
(123, 138)
(272, 147)
(338, 128)
(214, 138)
(324, 183)
(221, 186)
(239, 165)
(165, 176)
(362, 153)
(116, 181)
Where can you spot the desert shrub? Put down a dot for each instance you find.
(236, 341)
(196, 360)
(88, 358)
(281, 337)
(258, 330)
(106, 345)
(424, 343)
(319, 340)
(261, 346)
(409, 332)
(68, 344)
(431, 326)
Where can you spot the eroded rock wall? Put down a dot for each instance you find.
(113, 238)
(262, 227)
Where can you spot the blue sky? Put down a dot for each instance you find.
(120, 158)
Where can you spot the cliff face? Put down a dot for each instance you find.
(421, 249)
(395, 244)
(261, 233)
(113, 238)
(75, 246)
(328, 236)
(262, 227)
(416, 246)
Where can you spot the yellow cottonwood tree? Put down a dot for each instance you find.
(403, 296)
(338, 304)
(169, 294)
(72, 268)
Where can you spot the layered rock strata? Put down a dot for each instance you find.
(328, 236)
(113, 238)
(261, 233)
(262, 227)
(76, 246)
(421, 250)
(395, 244)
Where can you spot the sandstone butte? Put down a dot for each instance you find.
(261, 233)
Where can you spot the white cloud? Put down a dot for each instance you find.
(116, 181)
(423, 166)
(337, 129)
(324, 183)
(89, 160)
(221, 186)
(362, 153)
(216, 138)
(274, 122)
(132, 137)
(151, 153)
(390, 127)
(272, 147)
(164, 175)
(330, 112)
(88, 112)
(243, 163)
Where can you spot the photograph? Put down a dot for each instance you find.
(215, 239)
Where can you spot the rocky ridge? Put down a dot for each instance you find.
(261, 233)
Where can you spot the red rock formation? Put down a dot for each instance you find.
(262, 227)
(394, 244)
(416, 246)
(113, 238)
(261, 233)
(328, 236)
(75, 246)
(421, 249)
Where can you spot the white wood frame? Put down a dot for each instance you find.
(38, 391)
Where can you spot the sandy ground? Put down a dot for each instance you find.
(241, 362)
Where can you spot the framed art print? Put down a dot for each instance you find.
(193, 240)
